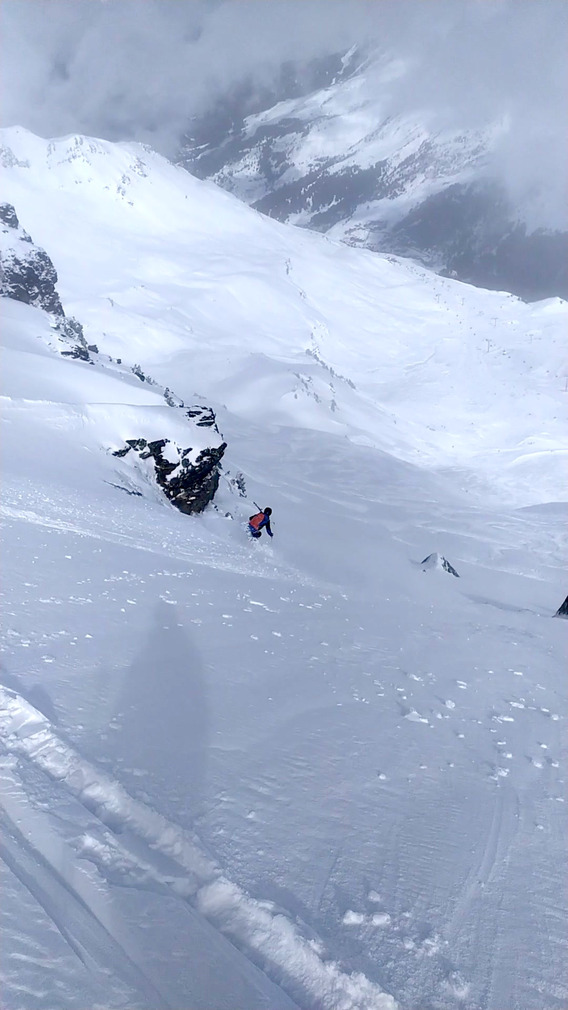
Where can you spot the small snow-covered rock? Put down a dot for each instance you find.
(8, 215)
(438, 561)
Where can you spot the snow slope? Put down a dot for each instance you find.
(179, 276)
(308, 771)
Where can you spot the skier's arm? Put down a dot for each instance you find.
(268, 530)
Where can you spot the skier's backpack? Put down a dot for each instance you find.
(256, 520)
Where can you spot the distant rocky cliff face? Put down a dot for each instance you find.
(324, 155)
(26, 271)
(188, 477)
(28, 275)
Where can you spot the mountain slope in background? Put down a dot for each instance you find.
(365, 346)
(308, 772)
(335, 159)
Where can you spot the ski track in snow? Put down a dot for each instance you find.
(106, 527)
(269, 939)
(69, 905)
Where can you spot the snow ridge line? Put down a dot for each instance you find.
(271, 940)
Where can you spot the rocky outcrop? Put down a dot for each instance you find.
(203, 417)
(188, 477)
(438, 561)
(28, 275)
(9, 217)
(26, 271)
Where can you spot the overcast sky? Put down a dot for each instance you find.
(138, 69)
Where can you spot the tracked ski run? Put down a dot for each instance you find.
(293, 961)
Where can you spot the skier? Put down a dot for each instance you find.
(259, 522)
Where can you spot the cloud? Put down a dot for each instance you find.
(139, 69)
(504, 63)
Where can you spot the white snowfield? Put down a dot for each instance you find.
(308, 772)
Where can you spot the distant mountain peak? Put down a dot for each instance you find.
(322, 149)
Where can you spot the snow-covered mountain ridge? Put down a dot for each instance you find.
(341, 340)
(318, 771)
(188, 475)
(344, 126)
(338, 159)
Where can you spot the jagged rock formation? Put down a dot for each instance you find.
(438, 561)
(9, 217)
(28, 275)
(203, 417)
(562, 610)
(188, 477)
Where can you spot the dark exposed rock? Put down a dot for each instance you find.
(189, 486)
(204, 415)
(196, 485)
(171, 399)
(8, 215)
(562, 610)
(26, 271)
(28, 275)
(143, 376)
(77, 352)
(136, 494)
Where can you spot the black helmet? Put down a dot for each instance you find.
(267, 511)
